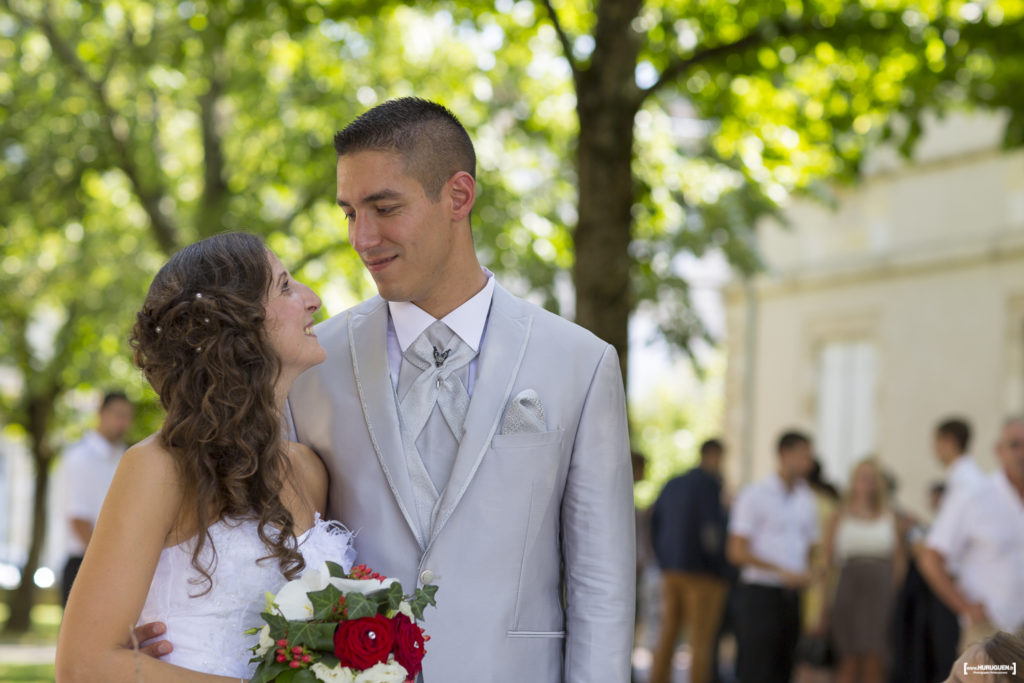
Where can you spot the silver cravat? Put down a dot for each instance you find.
(433, 402)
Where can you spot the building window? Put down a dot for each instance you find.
(847, 374)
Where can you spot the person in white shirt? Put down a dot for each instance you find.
(87, 469)
(951, 443)
(975, 549)
(773, 529)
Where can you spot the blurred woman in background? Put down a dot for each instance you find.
(862, 541)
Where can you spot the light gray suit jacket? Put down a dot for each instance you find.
(533, 544)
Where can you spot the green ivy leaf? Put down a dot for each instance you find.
(278, 624)
(325, 602)
(329, 660)
(304, 676)
(266, 674)
(423, 597)
(315, 636)
(336, 570)
(359, 606)
(387, 598)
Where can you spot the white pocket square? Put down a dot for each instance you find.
(525, 414)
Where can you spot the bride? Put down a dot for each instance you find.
(216, 508)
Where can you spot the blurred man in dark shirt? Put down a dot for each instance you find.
(688, 526)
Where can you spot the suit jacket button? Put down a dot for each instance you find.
(426, 577)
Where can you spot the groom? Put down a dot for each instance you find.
(474, 441)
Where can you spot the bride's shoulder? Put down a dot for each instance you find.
(149, 458)
(151, 450)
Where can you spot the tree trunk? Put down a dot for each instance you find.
(40, 413)
(24, 597)
(607, 101)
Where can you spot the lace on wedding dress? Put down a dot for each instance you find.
(207, 630)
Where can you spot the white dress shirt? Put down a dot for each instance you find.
(963, 477)
(87, 470)
(779, 523)
(469, 321)
(984, 532)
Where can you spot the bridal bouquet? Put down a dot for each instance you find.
(335, 627)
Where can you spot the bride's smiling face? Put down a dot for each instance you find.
(289, 323)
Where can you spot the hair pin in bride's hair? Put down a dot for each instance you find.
(199, 295)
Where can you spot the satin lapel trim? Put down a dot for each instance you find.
(500, 358)
(367, 337)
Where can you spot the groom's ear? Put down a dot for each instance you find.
(461, 194)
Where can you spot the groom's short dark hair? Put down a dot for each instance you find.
(430, 140)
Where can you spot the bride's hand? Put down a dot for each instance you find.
(147, 632)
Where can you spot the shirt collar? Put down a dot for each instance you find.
(467, 321)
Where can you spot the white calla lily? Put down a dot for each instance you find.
(364, 586)
(292, 599)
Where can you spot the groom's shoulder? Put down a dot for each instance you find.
(337, 325)
(567, 334)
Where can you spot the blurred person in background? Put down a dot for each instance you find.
(688, 525)
(814, 651)
(644, 551)
(924, 631)
(951, 442)
(646, 588)
(87, 469)
(974, 559)
(772, 530)
(862, 541)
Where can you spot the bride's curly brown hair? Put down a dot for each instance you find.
(200, 339)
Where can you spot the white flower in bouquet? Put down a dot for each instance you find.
(292, 599)
(392, 672)
(405, 608)
(266, 642)
(337, 674)
(364, 586)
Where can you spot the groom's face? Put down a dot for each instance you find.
(403, 237)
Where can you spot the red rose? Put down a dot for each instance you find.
(409, 649)
(361, 643)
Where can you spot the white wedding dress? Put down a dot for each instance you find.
(207, 631)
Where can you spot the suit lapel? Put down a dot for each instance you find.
(504, 343)
(368, 343)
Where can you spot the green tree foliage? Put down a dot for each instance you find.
(129, 129)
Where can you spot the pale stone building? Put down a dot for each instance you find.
(876, 318)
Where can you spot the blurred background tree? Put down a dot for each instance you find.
(612, 135)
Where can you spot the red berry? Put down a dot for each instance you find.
(295, 664)
(281, 658)
(296, 650)
(306, 659)
(282, 643)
